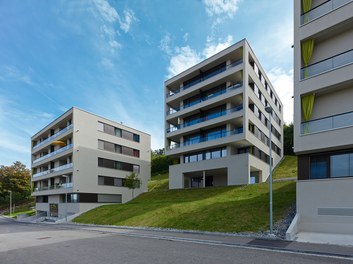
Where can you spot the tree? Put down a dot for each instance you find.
(132, 181)
(159, 162)
(17, 179)
(288, 139)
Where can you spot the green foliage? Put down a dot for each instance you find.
(132, 181)
(17, 179)
(288, 139)
(159, 162)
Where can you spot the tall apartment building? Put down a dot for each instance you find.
(80, 161)
(323, 115)
(217, 129)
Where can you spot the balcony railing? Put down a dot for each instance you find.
(205, 118)
(327, 123)
(63, 167)
(201, 79)
(208, 138)
(329, 64)
(54, 187)
(321, 10)
(53, 136)
(53, 153)
(205, 98)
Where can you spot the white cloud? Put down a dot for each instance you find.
(107, 12)
(186, 37)
(164, 44)
(129, 19)
(213, 48)
(185, 57)
(221, 9)
(12, 73)
(282, 81)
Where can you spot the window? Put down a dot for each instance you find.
(136, 138)
(341, 165)
(118, 132)
(318, 167)
(118, 165)
(100, 126)
(110, 181)
(127, 135)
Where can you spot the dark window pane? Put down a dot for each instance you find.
(136, 138)
(318, 167)
(127, 135)
(339, 165)
(109, 129)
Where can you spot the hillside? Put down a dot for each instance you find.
(224, 209)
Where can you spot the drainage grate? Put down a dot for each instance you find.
(270, 243)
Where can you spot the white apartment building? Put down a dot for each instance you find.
(80, 161)
(216, 125)
(323, 115)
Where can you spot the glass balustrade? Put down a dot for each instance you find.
(321, 10)
(53, 153)
(327, 123)
(63, 167)
(201, 79)
(214, 136)
(205, 118)
(329, 64)
(53, 136)
(54, 187)
(205, 98)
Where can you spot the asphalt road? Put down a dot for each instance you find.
(44, 243)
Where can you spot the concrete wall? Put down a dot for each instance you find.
(326, 205)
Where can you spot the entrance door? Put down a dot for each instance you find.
(209, 181)
(53, 210)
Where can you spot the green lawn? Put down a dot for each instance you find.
(287, 169)
(158, 182)
(226, 209)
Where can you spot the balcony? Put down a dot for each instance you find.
(202, 99)
(206, 118)
(326, 65)
(53, 136)
(327, 123)
(208, 138)
(54, 187)
(60, 168)
(53, 153)
(201, 79)
(321, 10)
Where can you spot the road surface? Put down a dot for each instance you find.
(65, 244)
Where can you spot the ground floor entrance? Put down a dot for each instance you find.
(207, 178)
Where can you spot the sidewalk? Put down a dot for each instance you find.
(225, 239)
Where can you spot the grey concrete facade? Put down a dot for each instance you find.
(324, 143)
(80, 160)
(216, 126)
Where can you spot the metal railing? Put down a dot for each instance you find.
(53, 153)
(221, 134)
(328, 64)
(205, 118)
(327, 123)
(63, 167)
(54, 187)
(205, 98)
(53, 136)
(201, 79)
(321, 10)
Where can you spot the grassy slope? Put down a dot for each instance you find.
(287, 169)
(226, 209)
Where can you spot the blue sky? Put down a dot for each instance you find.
(112, 57)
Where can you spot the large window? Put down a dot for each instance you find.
(341, 165)
(331, 166)
(118, 165)
(111, 181)
(111, 130)
(108, 146)
(206, 155)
